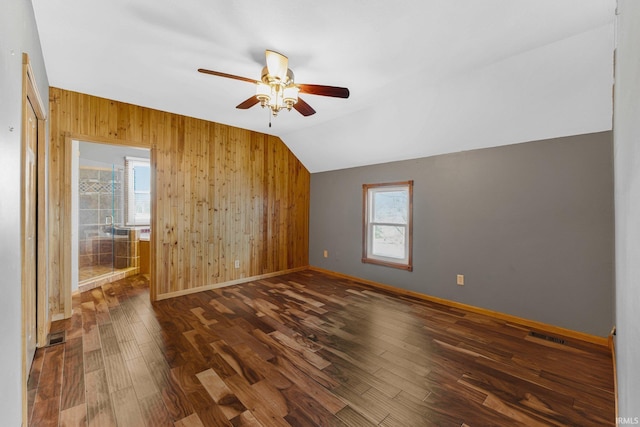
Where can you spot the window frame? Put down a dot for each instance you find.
(367, 226)
(130, 215)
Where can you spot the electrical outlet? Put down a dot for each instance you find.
(325, 253)
(237, 264)
(460, 279)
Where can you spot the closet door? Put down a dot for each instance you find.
(29, 238)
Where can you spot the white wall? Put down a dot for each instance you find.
(99, 154)
(627, 194)
(18, 34)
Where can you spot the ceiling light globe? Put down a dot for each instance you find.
(290, 96)
(263, 93)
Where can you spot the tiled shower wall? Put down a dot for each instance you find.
(100, 193)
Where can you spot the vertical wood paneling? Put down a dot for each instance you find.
(220, 193)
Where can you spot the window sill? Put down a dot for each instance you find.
(407, 267)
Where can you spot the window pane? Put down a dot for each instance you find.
(390, 206)
(388, 241)
(138, 197)
(141, 178)
(142, 203)
(387, 224)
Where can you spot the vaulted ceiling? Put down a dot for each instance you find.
(426, 76)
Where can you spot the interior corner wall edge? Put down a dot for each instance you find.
(18, 34)
(219, 193)
(530, 226)
(627, 205)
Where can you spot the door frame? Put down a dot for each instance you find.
(31, 97)
(68, 207)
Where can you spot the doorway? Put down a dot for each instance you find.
(110, 212)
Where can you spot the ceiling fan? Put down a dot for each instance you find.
(277, 89)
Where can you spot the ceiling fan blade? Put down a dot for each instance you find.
(303, 108)
(277, 64)
(229, 76)
(248, 103)
(334, 91)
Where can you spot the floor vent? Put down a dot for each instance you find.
(56, 338)
(547, 337)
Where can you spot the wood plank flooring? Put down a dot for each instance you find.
(307, 349)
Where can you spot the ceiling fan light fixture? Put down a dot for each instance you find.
(277, 91)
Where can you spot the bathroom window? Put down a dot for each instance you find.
(138, 191)
(387, 224)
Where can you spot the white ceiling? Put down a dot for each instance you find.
(426, 76)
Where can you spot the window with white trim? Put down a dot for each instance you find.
(138, 191)
(387, 224)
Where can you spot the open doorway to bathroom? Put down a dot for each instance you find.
(111, 214)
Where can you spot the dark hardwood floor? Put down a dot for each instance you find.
(307, 349)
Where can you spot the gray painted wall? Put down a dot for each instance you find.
(627, 196)
(529, 225)
(17, 34)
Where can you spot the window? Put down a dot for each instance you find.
(387, 224)
(138, 191)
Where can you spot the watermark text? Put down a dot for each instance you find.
(621, 421)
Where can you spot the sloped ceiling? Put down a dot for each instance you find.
(426, 76)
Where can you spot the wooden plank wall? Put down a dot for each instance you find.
(220, 193)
